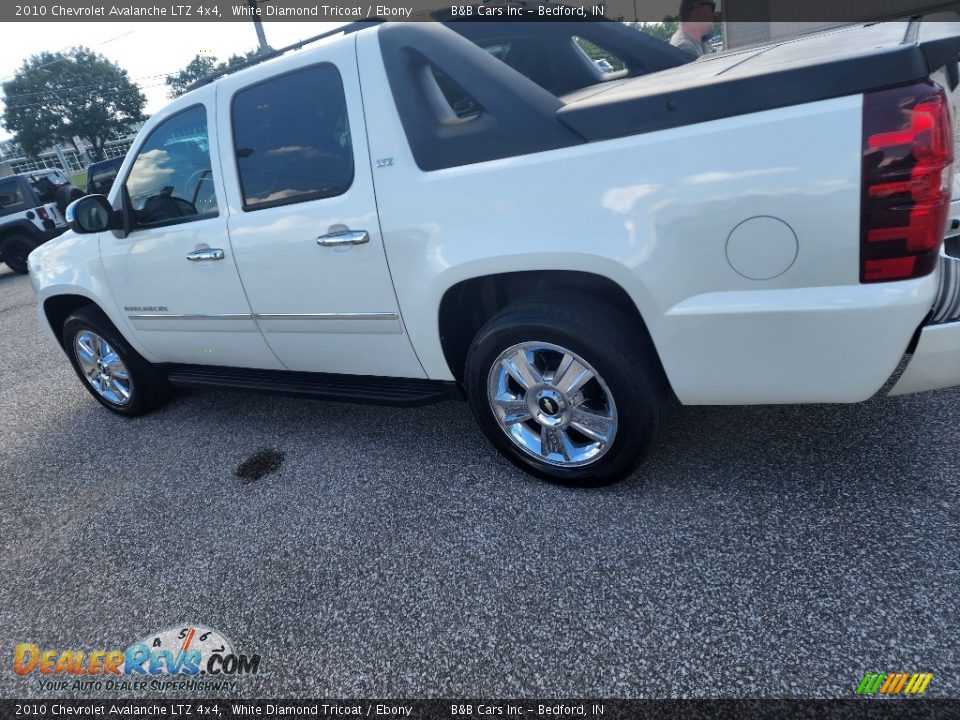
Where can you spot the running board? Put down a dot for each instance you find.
(374, 390)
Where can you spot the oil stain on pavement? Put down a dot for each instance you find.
(262, 462)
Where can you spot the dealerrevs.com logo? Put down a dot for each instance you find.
(186, 657)
(894, 683)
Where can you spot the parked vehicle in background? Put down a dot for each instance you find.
(100, 175)
(32, 209)
(394, 215)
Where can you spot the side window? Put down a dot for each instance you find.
(171, 180)
(604, 60)
(460, 102)
(9, 193)
(44, 188)
(291, 136)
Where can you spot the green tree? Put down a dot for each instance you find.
(54, 96)
(200, 67)
(660, 30)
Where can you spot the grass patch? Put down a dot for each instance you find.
(79, 180)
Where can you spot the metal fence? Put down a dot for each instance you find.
(75, 160)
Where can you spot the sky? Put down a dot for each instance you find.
(147, 51)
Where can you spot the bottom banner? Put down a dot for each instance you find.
(486, 709)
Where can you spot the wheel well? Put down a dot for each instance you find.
(17, 229)
(466, 306)
(58, 307)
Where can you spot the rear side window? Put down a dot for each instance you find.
(44, 187)
(9, 193)
(605, 61)
(291, 137)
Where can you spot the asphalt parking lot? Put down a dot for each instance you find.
(760, 552)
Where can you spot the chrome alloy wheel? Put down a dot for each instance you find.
(552, 404)
(102, 367)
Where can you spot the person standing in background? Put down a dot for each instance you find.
(696, 25)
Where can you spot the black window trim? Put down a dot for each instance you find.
(306, 197)
(182, 220)
(14, 182)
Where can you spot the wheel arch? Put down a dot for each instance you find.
(57, 308)
(468, 304)
(18, 227)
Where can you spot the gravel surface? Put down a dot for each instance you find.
(775, 551)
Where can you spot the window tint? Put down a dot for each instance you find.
(527, 54)
(55, 176)
(605, 60)
(171, 180)
(292, 138)
(462, 104)
(9, 193)
(100, 182)
(45, 187)
(100, 175)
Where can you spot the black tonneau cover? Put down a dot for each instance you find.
(843, 61)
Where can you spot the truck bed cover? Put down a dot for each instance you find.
(843, 61)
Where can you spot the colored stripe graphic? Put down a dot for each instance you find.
(894, 683)
(189, 639)
(885, 688)
(870, 680)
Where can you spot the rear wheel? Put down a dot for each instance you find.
(112, 371)
(16, 248)
(567, 388)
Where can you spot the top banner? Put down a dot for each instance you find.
(790, 11)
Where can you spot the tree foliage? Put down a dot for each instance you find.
(199, 67)
(55, 96)
(660, 30)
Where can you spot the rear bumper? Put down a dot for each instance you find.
(935, 362)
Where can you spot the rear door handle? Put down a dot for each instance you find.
(205, 254)
(344, 237)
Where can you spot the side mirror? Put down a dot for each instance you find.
(90, 214)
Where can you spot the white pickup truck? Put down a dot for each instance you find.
(402, 212)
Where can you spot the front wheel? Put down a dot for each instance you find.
(117, 376)
(567, 388)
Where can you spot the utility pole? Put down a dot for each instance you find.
(261, 38)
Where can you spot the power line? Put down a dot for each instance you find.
(71, 95)
(67, 48)
(14, 96)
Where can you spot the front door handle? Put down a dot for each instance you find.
(205, 254)
(344, 237)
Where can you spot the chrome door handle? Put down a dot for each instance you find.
(344, 237)
(205, 254)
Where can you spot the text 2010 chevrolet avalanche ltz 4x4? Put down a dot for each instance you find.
(401, 211)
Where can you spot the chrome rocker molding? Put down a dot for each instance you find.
(267, 316)
(191, 316)
(328, 316)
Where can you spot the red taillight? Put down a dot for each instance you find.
(906, 181)
(42, 213)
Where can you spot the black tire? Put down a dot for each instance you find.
(16, 248)
(606, 338)
(65, 195)
(148, 386)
